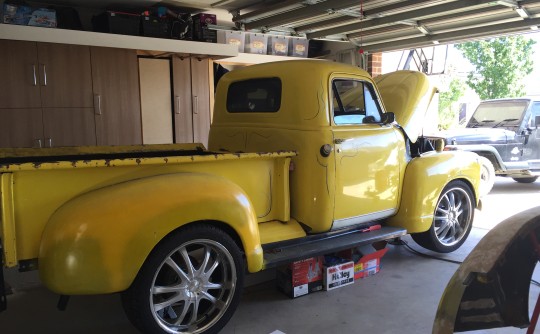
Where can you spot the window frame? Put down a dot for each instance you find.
(365, 85)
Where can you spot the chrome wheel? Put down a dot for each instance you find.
(453, 216)
(193, 287)
(452, 219)
(191, 282)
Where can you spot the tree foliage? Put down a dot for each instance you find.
(447, 104)
(500, 65)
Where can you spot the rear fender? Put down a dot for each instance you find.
(97, 242)
(490, 288)
(424, 180)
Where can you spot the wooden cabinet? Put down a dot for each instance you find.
(65, 76)
(193, 97)
(19, 86)
(68, 127)
(115, 75)
(21, 127)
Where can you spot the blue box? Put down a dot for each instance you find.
(26, 15)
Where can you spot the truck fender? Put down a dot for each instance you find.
(487, 151)
(424, 180)
(97, 242)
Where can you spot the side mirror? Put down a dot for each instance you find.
(388, 117)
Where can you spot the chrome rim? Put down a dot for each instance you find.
(453, 216)
(193, 287)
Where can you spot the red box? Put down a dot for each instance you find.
(201, 32)
(301, 277)
(367, 259)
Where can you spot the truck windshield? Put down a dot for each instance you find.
(498, 114)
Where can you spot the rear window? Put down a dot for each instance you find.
(255, 95)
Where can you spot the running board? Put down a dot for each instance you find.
(306, 247)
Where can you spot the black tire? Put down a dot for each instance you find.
(452, 221)
(525, 179)
(190, 283)
(487, 176)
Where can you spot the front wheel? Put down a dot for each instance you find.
(190, 283)
(525, 179)
(452, 220)
(487, 176)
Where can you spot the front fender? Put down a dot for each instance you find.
(97, 242)
(425, 178)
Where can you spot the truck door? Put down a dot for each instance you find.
(366, 153)
(531, 148)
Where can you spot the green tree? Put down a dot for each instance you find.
(500, 64)
(447, 104)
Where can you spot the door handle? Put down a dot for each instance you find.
(34, 74)
(38, 143)
(338, 140)
(97, 104)
(49, 141)
(177, 111)
(195, 104)
(44, 75)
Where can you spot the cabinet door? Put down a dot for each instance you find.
(18, 80)
(65, 76)
(183, 112)
(69, 127)
(21, 128)
(202, 96)
(115, 75)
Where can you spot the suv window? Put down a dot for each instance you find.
(536, 113)
(255, 95)
(354, 102)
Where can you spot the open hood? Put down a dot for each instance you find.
(407, 94)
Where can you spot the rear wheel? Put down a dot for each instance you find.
(190, 283)
(487, 176)
(452, 220)
(525, 179)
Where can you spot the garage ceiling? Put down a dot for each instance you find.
(375, 25)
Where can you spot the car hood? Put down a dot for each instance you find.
(407, 94)
(471, 136)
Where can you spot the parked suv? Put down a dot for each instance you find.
(505, 133)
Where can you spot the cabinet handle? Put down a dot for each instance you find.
(97, 104)
(38, 143)
(177, 111)
(195, 104)
(44, 75)
(34, 73)
(49, 141)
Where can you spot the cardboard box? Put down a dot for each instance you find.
(278, 45)
(337, 275)
(233, 37)
(200, 28)
(256, 43)
(301, 277)
(26, 15)
(367, 259)
(298, 47)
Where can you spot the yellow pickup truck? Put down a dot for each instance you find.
(303, 159)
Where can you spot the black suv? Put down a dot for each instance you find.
(505, 133)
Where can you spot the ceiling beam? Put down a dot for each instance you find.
(437, 10)
(266, 10)
(301, 13)
(454, 36)
(370, 13)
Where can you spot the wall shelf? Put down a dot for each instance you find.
(154, 45)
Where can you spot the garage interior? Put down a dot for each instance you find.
(166, 92)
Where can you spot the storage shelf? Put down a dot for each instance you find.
(153, 45)
(253, 58)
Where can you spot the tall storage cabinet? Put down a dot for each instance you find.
(117, 105)
(193, 98)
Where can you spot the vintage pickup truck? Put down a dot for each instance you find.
(303, 160)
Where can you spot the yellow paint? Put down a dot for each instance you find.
(7, 232)
(275, 231)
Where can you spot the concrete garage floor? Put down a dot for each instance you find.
(402, 298)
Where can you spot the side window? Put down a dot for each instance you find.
(254, 95)
(536, 114)
(354, 102)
